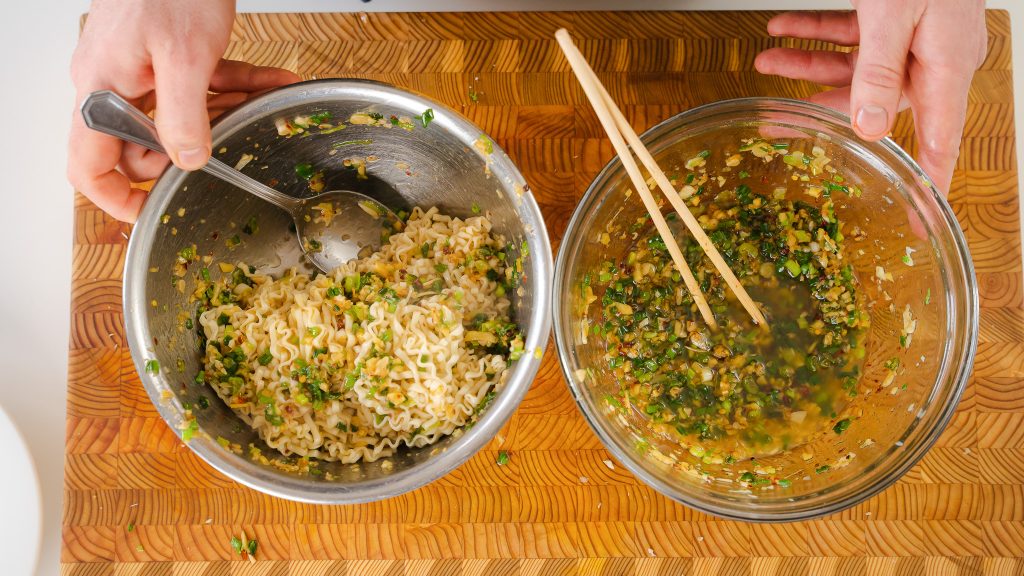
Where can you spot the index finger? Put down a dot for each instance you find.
(836, 27)
(939, 84)
(92, 170)
(939, 123)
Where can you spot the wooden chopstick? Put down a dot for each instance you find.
(684, 211)
(591, 87)
(623, 132)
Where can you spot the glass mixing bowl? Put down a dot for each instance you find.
(894, 422)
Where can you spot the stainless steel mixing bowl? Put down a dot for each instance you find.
(447, 164)
(894, 422)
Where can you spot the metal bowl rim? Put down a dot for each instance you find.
(289, 487)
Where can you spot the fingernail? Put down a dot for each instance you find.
(872, 120)
(193, 158)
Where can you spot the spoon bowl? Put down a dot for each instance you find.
(338, 226)
(332, 228)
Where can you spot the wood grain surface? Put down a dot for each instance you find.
(138, 502)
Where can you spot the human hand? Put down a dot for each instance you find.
(155, 53)
(921, 53)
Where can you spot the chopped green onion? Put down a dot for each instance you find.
(427, 117)
(351, 143)
(320, 117)
(793, 268)
(190, 431)
(841, 426)
(304, 170)
(251, 227)
(350, 380)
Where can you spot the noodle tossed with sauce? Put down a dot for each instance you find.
(404, 346)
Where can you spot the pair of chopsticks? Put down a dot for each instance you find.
(620, 132)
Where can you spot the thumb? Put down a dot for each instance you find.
(886, 32)
(182, 84)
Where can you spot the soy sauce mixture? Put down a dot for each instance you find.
(739, 391)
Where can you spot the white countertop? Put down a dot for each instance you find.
(36, 225)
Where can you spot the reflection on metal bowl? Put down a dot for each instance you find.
(439, 165)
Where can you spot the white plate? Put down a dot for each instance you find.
(21, 519)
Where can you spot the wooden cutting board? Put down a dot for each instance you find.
(137, 501)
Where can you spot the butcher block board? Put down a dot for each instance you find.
(138, 502)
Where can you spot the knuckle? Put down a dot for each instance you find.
(851, 59)
(83, 69)
(852, 28)
(74, 178)
(178, 134)
(75, 174)
(939, 151)
(186, 55)
(817, 22)
(880, 75)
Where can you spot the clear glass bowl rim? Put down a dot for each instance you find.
(963, 366)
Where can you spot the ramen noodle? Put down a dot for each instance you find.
(402, 347)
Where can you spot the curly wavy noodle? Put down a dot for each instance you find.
(435, 380)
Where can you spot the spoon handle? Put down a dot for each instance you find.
(228, 174)
(107, 112)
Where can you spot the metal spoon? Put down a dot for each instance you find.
(332, 228)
